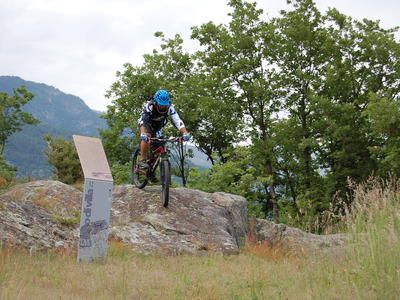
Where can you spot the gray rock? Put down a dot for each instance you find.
(37, 215)
(195, 222)
(294, 240)
(30, 215)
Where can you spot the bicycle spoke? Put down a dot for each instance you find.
(139, 176)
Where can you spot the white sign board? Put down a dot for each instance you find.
(97, 196)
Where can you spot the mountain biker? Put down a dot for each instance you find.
(153, 118)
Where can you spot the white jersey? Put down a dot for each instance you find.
(156, 120)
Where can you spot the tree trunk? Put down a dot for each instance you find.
(306, 135)
(271, 190)
(270, 172)
(292, 191)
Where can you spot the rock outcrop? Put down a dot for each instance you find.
(45, 214)
(40, 214)
(195, 222)
(294, 240)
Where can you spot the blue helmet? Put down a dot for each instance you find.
(161, 97)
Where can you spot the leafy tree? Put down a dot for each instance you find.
(12, 118)
(215, 119)
(118, 142)
(62, 155)
(238, 175)
(327, 66)
(311, 91)
(364, 59)
(384, 116)
(134, 86)
(11, 115)
(234, 55)
(203, 103)
(301, 52)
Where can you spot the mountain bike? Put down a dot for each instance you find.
(158, 156)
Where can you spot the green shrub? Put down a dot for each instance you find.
(63, 156)
(7, 172)
(121, 173)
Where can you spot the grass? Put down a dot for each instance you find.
(67, 221)
(73, 218)
(368, 269)
(128, 276)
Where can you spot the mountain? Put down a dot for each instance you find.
(199, 159)
(59, 114)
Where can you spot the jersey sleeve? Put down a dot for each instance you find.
(145, 115)
(175, 118)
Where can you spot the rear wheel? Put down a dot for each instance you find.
(165, 181)
(138, 175)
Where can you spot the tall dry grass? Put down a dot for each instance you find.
(129, 276)
(374, 222)
(368, 269)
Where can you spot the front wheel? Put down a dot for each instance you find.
(165, 181)
(138, 175)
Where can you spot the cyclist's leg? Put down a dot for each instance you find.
(144, 147)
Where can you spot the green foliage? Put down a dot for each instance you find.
(62, 155)
(121, 173)
(204, 103)
(134, 86)
(199, 179)
(237, 176)
(119, 148)
(70, 221)
(7, 172)
(315, 93)
(384, 116)
(11, 115)
(12, 118)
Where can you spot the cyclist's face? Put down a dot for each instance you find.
(162, 109)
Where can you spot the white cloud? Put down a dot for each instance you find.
(78, 45)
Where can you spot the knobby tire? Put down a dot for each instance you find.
(165, 181)
(139, 180)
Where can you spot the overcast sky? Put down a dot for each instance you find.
(78, 45)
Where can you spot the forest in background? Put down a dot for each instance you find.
(288, 110)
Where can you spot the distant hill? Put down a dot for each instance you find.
(59, 114)
(199, 159)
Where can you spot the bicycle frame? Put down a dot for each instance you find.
(160, 153)
(159, 156)
(156, 156)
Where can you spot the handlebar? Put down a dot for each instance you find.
(170, 139)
